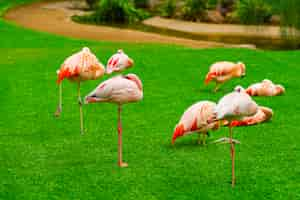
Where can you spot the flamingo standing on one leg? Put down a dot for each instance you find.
(118, 62)
(119, 90)
(194, 120)
(79, 67)
(234, 106)
(221, 72)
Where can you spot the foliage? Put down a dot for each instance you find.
(194, 9)
(92, 3)
(114, 11)
(169, 8)
(253, 11)
(225, 6)
(141, 3)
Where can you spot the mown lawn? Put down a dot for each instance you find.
(42, 157)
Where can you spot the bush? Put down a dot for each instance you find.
(169, 8)
(225, 6)
(194, 10)
(118, 11)
(141, 3)
(91, 3)
(253, 12)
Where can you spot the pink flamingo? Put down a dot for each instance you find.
(234, 106)
(194, 120)
(119, 90)
(221, 72)
(263, 114)
(118, 62)
(265, 88)
(79, 67)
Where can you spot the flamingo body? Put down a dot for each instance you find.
(265, 88)
(119, 89)
(195, 119)
(81, 66)
(234, 106)
(118, 62)
(221, 72)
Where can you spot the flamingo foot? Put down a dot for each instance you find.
(58, 112)
(225, 141)
(123, 164)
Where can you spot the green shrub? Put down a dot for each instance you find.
(92, 3)
(225, 6)
(194, 9)
(118, 11)
(253, 11)
(169, 8)
(141, 3)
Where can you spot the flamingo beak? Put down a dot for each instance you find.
(130, 62)
(179, 131)
(249, 92)
(89, 99)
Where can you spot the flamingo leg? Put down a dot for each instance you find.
(232, 153)
(120, 159)
(59, 107)
(80, 109)
(204, 138)
(217, 87)
(199, 138)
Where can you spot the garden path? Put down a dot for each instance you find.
(54, 17)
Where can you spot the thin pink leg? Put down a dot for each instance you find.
(120, 160)
(232, 153)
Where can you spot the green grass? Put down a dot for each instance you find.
(46, 158)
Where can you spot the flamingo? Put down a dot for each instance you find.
(221, 72)
(263, 114)
(265, 88)
(194, 120)
(234, 106)
(118, 90)
(118, 62)
(79, 67)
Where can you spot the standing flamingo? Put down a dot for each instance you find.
(194, 120)
(119, 90)
(221, 72)
(234, 106)
(79, 67)
(118, 62)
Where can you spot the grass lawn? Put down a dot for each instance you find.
(46, 158)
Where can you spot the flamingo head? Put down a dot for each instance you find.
(135, 79)
(239, 89)
(178, 132)
(280, 89)
(119, 62)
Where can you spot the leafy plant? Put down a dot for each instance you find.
(253, 12)
(118, 11)
(290, 21)
(92, 3)
(141, 3)
(169, 8)
(194, 9)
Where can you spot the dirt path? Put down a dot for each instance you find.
(53, 18)
(233, 30)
